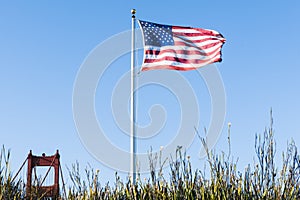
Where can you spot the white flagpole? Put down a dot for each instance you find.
(132, 103)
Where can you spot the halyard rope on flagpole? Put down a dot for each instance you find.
(132, 103)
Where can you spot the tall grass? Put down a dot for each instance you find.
(263, 180)
(9, 189)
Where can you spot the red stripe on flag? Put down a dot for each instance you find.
(179, 60)
(183, 52)
(199, 30)
(173, 67)
(197, 46)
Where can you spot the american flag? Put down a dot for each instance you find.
(179, 48)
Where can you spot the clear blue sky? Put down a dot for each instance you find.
(43, 44)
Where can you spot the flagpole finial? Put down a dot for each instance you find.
(133, 11)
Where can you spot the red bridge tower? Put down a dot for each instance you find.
(51, 161)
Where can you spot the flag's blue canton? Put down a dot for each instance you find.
(157, 34)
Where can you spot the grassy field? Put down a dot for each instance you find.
(264, 180)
